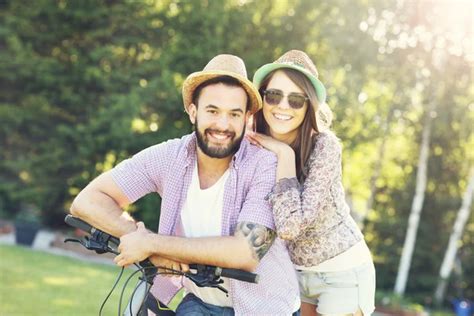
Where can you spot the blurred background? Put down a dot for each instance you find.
(87, 83)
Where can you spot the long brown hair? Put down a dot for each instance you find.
(303, 144)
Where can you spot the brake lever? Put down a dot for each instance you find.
(73, 240)
(91, 244)
(223, 289)
(206, 281)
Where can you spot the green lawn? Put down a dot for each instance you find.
(38, 283)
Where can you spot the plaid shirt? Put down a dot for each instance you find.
(167, 169)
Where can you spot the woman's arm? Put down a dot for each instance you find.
(286, 167)
(296, 208)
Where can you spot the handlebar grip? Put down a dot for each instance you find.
(78, 223)
(239, 275)
(227, 272)
(84, 226)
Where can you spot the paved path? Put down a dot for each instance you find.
(43, 242)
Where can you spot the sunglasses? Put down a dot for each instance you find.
(275, 96)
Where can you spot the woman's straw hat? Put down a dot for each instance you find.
(222, 65)
(298, 60)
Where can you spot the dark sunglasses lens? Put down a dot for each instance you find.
(273, 97)
(296, 101)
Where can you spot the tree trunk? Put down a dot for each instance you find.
(456, 235)
(414, 219)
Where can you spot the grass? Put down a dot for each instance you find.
(38, 283)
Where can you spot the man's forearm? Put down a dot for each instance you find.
(226, 251)
(102, 212)
(100, 204)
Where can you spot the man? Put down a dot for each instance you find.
(213, 185)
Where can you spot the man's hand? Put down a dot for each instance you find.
(166, 264)
(135, 246)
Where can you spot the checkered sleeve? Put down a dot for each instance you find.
(144, 172)
(256, 208)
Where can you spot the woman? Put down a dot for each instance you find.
(334, 265)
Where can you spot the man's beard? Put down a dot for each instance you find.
(217, 152)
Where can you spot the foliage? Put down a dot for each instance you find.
(396, 302)
(85, 84)
(398, 305)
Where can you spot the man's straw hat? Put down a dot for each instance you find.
(222, 65)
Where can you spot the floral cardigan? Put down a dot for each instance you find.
(314, 217)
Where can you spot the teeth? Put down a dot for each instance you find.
(282, 117)
(219, 136)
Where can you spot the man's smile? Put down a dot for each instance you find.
(219, 136)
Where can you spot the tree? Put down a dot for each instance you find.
(417, 204)
(454, 239)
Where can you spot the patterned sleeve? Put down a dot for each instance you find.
(144, 172)
(256, 208)
(294, 207)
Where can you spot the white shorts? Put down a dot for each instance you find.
(340, 292)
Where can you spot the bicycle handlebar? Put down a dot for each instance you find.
(239, 275)
(84, 226)
(78, 223)
(219, 272)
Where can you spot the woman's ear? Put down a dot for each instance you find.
(250, 126)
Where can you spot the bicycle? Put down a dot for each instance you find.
(141, 300)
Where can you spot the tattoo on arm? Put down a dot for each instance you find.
(259, 237)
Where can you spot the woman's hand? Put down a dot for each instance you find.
(267, 142)
(286, 167)
(135, 246)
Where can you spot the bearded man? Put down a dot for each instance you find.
(213, 185)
